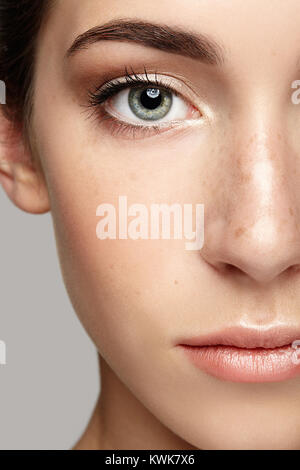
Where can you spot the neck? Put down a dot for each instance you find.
(120, 421)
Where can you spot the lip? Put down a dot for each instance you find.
(240, 354)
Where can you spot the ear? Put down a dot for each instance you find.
(22, 180)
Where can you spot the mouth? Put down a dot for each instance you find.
(246, 354)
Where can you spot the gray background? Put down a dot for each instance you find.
(50, 382)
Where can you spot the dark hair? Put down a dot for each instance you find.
(20, 22)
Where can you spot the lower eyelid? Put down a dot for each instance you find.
(124, 131)
(117, 128)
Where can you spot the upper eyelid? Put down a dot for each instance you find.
(125, 81)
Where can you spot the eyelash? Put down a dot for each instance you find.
(98, 97)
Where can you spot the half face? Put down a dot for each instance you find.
(208, 118)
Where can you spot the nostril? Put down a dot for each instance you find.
(226, 268)
(260, 273)
(230, 268)
(293, 269)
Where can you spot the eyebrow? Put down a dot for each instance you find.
(159, 36)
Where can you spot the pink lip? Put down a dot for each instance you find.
(246, 354)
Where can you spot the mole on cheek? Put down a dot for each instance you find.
(239, 232)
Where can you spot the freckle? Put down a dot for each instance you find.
(239, 232)
(279, 136)
(245, 177)
(291, 211)
(175, 282)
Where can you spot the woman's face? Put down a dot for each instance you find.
(234, 147)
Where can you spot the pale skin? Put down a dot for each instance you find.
(241, 160)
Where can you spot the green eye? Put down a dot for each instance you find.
(150, 104)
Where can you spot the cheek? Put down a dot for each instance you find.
(118, 287)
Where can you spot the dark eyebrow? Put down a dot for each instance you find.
(159, 36)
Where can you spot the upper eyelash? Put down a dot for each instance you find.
(103, 92)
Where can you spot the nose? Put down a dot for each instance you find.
(252, 220)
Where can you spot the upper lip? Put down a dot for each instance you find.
(246, 337)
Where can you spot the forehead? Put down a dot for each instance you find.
(234, 18)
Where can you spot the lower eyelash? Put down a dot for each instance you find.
(121, 128)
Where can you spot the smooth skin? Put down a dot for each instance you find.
(135, 298)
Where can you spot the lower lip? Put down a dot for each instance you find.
(244, 365)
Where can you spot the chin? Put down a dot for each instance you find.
(246, 428)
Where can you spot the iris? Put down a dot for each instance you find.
(150, 104)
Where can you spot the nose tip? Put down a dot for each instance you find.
(262, 251)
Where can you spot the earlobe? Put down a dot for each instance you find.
(23, 183)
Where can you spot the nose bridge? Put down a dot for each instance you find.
(262, 177)
(259, 232)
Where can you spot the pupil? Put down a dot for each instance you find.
(151, 98)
